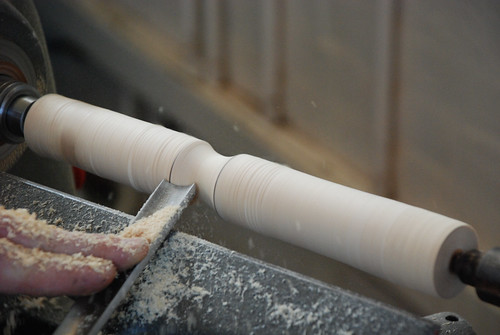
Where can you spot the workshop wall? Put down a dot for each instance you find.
(330, 77)
(449, 138)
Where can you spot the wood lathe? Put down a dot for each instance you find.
(400, 243)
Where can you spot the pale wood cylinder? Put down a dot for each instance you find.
(401, 243)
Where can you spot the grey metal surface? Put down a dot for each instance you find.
(193, 286)
(451, 324)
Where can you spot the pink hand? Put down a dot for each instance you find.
(41, 259)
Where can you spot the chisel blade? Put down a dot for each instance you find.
(90, 314)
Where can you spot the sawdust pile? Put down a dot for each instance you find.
(149, 227)
(46, 261)
(21, 222)
(17, 223)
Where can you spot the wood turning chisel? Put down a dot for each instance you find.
(89, 314)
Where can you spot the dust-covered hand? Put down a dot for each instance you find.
(40, 259)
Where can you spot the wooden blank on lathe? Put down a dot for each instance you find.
(401, 243)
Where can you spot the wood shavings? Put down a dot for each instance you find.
(45, 261)
(25, 229)
(20, 221)
(149, 227)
